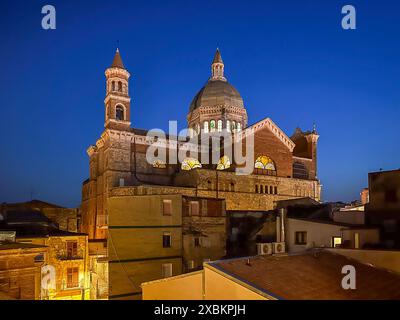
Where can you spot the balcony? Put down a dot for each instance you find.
(70, 257)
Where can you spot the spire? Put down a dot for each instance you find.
(217, 67)
(117, 62)
(217, 57)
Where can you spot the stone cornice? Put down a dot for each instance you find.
(116, 72)
(124, 122)
(91, 150)
(117, 97)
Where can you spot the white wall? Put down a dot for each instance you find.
(321, 234)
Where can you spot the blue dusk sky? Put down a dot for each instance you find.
(290, 60)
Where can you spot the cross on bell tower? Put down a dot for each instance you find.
(117, 101)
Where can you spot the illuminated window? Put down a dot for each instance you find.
(212, 125)
(190, 163)
(233, 126)
(167, 270)
(206, 126)
(72, 249)
(159, 164)
(239, 127)
(264, 162)
(228, 126)
(119, 113)
(72, 277)
(223, 163)
(336, 242)
(194, 208)
(190, 264)
(219, 125)
(265, 165)
(167, 207)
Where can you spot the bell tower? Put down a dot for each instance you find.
(117, 102)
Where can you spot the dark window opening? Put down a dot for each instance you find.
(119, 113)
(300, 171)
(166, 240)
(301, 237)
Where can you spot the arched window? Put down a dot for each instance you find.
(190, 163)
(239, 126)
(228, 126)
(212, 126)
(119, 86)
(232, 186)
(219, 125)
(233, 126)
(113, 85)
(119, 113)
(159, 164)
(223, 163)
(265, 165)
(205, 126)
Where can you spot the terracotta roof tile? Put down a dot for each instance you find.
(312, 276)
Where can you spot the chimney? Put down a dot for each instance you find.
(280, 225)
(278, 228)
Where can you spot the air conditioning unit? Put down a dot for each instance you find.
(279, 247)
(264, 249)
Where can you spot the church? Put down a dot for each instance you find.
(161, 218)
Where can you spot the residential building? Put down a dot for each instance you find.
(383, 209)
(20, 270)
(66, 256)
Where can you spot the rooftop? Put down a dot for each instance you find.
(335, 223)
(314, 275)
(18, 245)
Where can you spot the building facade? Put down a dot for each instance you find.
(20, 270)
(122, 181)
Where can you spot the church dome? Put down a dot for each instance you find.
(216, 93)
(218, 105)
